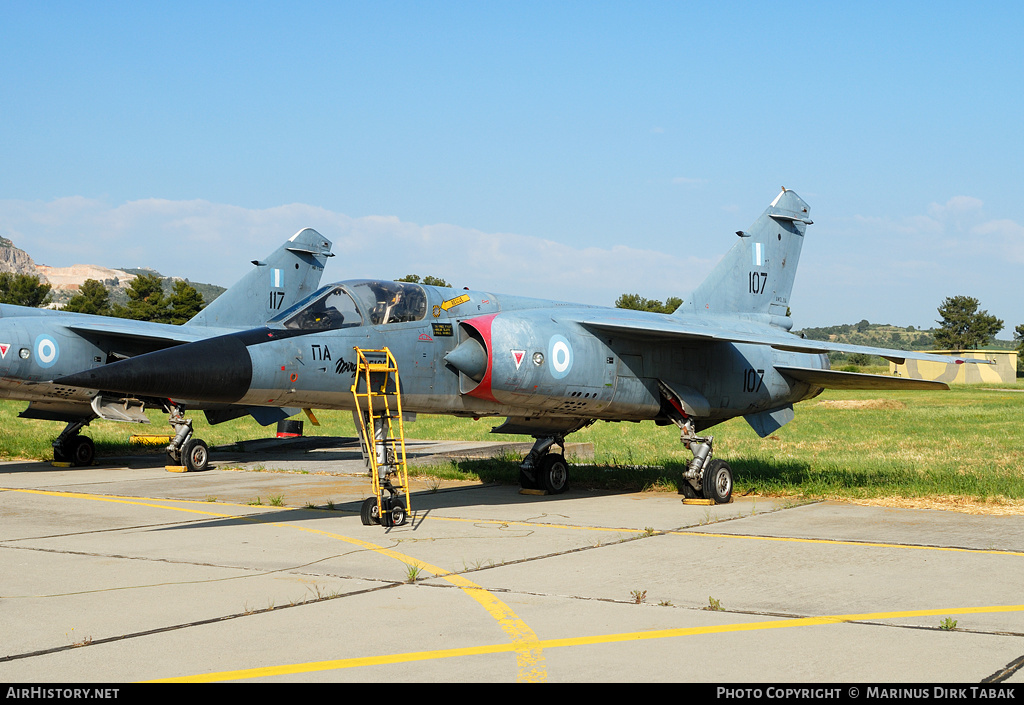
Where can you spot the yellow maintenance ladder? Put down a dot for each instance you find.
(378, 406)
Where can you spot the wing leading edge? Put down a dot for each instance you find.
(705, 334)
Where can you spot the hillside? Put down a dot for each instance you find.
(66, 281)
(884, 335)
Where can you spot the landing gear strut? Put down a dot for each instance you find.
(543, 470)
(711, 477)
(185, 449)
(69, 447)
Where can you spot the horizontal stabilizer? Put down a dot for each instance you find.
(766, 423)
(837, 379)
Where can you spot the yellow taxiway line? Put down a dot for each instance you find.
(391, 659)
(529, 657)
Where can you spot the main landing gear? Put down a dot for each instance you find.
(185, 449)
(69, 447)
(544, 470)
(711, 478)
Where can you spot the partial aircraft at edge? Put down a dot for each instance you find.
(551, 368)
(39, 345)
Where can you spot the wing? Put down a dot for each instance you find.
(688, 333)
(154, 336)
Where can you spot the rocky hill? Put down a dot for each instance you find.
(66, 281)
(14, 260)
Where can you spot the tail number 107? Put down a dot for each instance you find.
(757, 282)
(753, 380)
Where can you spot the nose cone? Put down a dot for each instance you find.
(216, 370)
(469, 358)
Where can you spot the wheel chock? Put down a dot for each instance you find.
(59, 464)
(705, 502)
(535, 492)
(175, 468)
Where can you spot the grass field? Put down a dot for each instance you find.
(958, 449)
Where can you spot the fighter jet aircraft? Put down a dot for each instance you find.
(39, 345)
(551, 368)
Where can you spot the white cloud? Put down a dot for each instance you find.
(955, 207)
(212, 242)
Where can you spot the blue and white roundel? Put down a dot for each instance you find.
(47, 351)
(560, 356)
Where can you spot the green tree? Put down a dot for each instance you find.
(146, 300)
(185, 302)
(428, 280)
(636, 302)
(23, 290)
(92, 297)
(963, 326)
(1018, 337)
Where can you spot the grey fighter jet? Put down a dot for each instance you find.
(550, 368)
(40, 345)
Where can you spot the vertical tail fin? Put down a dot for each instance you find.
(292, 272)
(755, 277)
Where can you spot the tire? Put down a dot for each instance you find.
(368, 512)
(687, 490)
(398, 513)
(527, 482)
(554, 473)
(716, 484)
(81, 451)
(195, 455)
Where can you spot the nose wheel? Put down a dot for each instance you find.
(388, 511)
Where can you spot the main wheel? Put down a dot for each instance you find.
(527, 482)
(80, 450)
(195, 455)
(717, 481)
(554, 473)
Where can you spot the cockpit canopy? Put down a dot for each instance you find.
(356, 303)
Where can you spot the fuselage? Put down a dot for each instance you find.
(40, 345)
(532, 358)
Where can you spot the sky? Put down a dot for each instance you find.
(566, 150)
